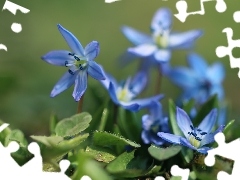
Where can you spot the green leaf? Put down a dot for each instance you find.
(205, 109)
(55, 147)
(4, 133)
(18, 136)
(162, 154)
(128, 166)
(127, 122)
(105, 139)
(172, 117)
(228, 127)
(22, 155)
(87, 166)
(53, 123)
(154, 171)
(74, 125)
(101, 154)
(103, 121)
(187, 106)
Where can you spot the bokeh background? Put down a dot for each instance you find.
(26, 81)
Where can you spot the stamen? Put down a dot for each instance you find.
(71, 54)
(71, 72)
(80, 67)
(203, 133)
(77, 58)
(191, 127)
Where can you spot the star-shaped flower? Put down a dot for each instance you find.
(200, 81)
(195, 137)
(153, 123)
(124, 94)
(80, 62)
(162, 41)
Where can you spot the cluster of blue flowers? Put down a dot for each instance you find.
(199, 82)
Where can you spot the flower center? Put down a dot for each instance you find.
(79, 62)
(161, 39)
(124, 93)
(195, 136)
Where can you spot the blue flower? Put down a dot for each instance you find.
(153, 123)
(162, 41)
(80, 62)
(200, 82)
(123, 94)
(195, 138)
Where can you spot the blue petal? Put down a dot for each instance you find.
(183, 77)
(58, 57)
(112, 93)
(170, 137)
(184, 122)
(186, 143)
(64, 83)
(143, 50)
(217, 89)
(92, 50)
(162, 19)
(155, 109)
(222, 116)
(163, 55)
(136, 37)
(146, 101)
(130, 106)
(109, 78)
(184, 40)
(96, 71)
(72, 41)
(209, 121)
(147, 122)
(138, 82)
(145, 137)
(203, 150)
(80, 85)
(209, 138)
(198, 64)
(216, 73)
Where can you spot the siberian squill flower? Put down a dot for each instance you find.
(124, 93)
(162, 41)
(200, 81)
(195, 137)
(153, 123)
(80, 62)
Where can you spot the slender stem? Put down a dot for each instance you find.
(115, 113)
(159, 81)
(80, 105)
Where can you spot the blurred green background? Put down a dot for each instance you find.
(26, 81)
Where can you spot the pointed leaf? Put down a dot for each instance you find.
(105, 139)
(205, 109)
(101, 154)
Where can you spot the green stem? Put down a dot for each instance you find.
(159, 81)
(80, 105)
(115, 113)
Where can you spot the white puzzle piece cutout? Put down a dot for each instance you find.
(15, 27)
(182, 7)
(177, 171)
(33, 169)
(228, 150)
(222, 51)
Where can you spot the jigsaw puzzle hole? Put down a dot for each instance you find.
(236, 52)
